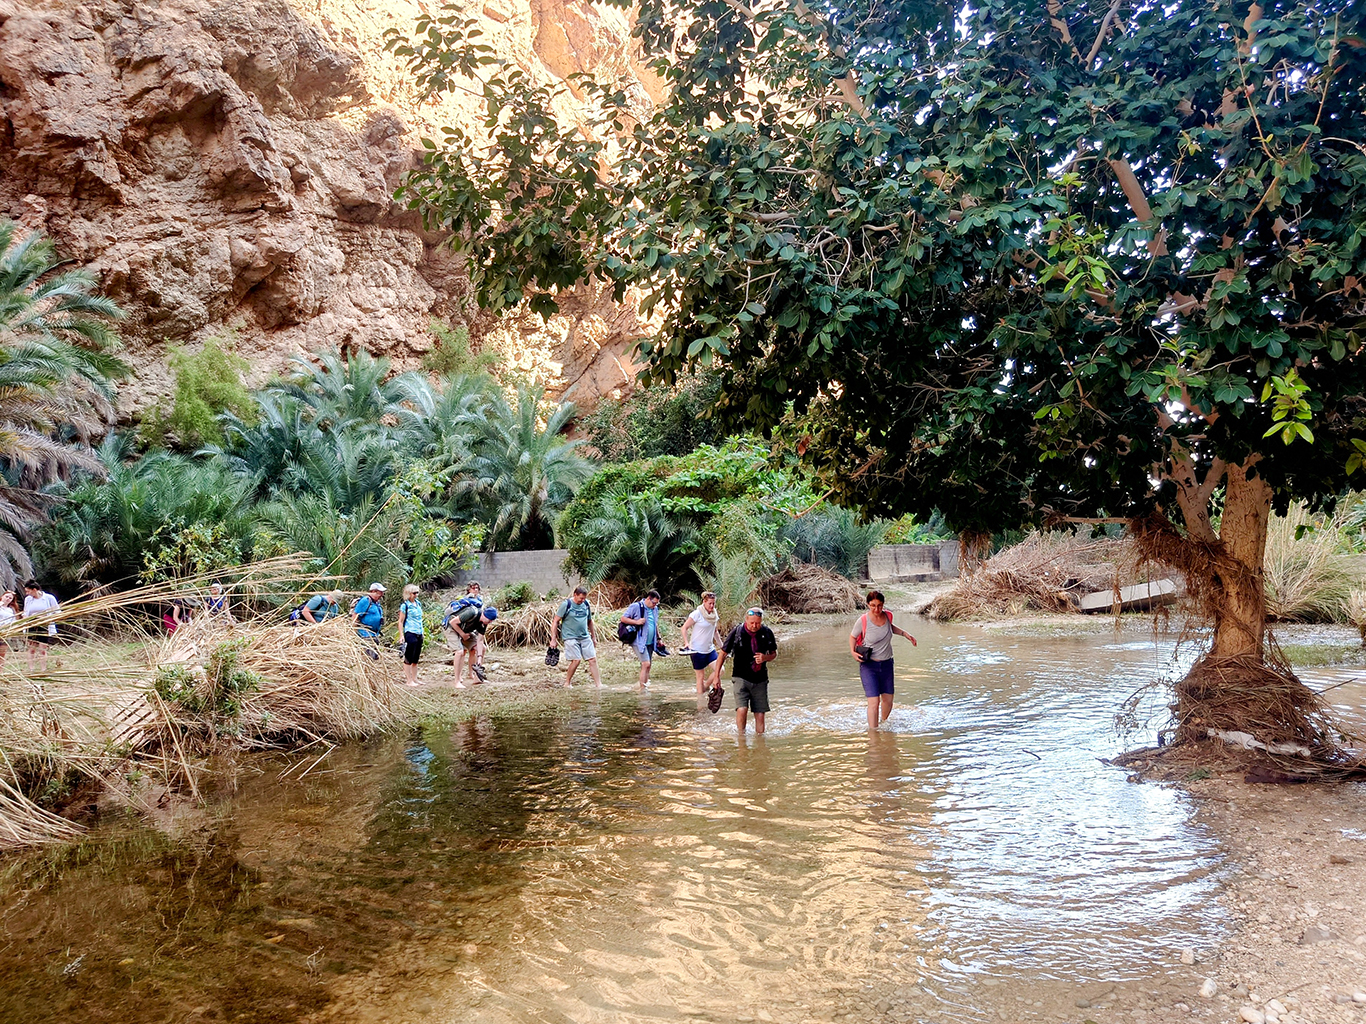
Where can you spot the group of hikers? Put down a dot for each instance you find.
(465, 622)
(749, 645)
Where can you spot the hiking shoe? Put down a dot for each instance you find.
(479, 671)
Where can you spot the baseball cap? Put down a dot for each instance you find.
(490, 613)
(377, 586)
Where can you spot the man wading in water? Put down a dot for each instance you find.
(870, 644)
(753, 646)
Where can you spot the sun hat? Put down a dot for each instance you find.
(377, 586)
(335, 596)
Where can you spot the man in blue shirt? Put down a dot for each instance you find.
(644, 614)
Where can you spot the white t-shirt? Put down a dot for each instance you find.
(702, 639)
(44, 602)
(7, 615)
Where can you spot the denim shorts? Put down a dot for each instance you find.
(876, 677)
(701, 661)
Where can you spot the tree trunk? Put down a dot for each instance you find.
(1240, 624)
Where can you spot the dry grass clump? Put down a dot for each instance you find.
(262, 685)
(803, 588)
(1047, 572)
(611, 594)
(1307, 579)
(525, 627)
(1356, 612)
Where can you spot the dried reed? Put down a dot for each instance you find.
(525, 627)
(803, 588)
(1044, 572)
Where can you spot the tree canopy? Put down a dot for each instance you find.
(1018, 260)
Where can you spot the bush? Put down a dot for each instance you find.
(208, 383)
(657, 420)
(835, 539)
(453, 354)
(1306, 577)
(514, 595)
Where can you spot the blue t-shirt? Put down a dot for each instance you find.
(369, 616)
(649, 632)
(412, 617)
(322, 607)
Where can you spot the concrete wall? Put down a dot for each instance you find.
(542, 569)
(907, 563)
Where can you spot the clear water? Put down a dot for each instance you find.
(626, 858)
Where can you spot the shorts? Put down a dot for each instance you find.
(579, 648)
(701, 661)
(752, 694)
(40, 635)
(412, 648)
(645, 655)
(876, 677)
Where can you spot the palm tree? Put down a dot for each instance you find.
(55, 373)
(355, 546)
(111, 528)
(344, 393)
(521, 471)
(632, 538)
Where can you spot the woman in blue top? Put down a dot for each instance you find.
(367, 615)
(410, 625)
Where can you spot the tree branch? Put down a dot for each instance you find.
(1104, 31)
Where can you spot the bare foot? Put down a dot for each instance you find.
(459, 685)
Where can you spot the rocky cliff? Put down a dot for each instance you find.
(227, 166)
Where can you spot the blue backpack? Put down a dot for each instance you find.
(456, 607)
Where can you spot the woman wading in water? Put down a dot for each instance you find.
(870, 644)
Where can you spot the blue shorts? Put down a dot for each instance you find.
(701, 661)
(876, 677)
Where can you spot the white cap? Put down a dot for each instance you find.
(377, 586)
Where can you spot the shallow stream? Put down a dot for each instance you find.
(624, 858)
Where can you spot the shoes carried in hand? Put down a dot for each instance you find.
(662, 651)
(479, 671)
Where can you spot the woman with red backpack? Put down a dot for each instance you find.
(870, 644)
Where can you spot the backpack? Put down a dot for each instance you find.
(863, 625)
(297, 612)
(627, 633)
(456, 607)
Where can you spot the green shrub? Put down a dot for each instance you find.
(834, 538)
(657, 420)
(514, 595)
(453, 354)
(208, 383)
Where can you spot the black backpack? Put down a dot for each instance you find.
(626, 632)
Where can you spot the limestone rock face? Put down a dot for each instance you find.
(229, 165)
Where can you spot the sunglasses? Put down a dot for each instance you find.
(756, 611)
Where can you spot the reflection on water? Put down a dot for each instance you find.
(630, 859)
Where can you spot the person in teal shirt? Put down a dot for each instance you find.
(410, 625)
(574, 626)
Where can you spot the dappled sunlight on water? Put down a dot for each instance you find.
(630, 859)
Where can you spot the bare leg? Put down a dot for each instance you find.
(740, 715)
(872, 713)
(593, 671)
(644, 675)
(758, 723)
(886, 706)
(569, 674)
(459, 663)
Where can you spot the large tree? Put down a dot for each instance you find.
(1020, 261)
